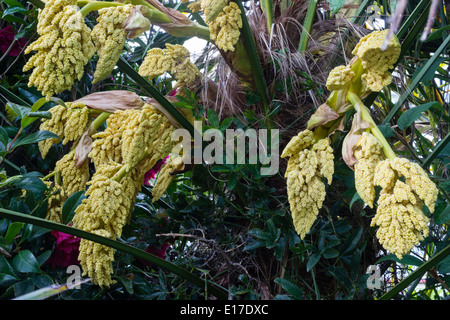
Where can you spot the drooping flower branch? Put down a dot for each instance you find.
(405, 185)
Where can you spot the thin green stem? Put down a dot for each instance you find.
(97, 5)
(98, 121)
(365, 114)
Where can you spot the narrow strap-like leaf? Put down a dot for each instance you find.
(307, 23)
(188, 276)
(436, 151)
(438, 257)
(252, 53)
(415, 81)
(12, 97)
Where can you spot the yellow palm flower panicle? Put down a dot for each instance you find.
(74, 178)
(63, 48)
(306, 191)
(325, 159)
(418, 179)
(339, 77)
(225, 28)
(77, 121)
(376, 61)
(309, 162)
(174, 59)
(55, 201)
(107, 144)
(109, 37)
(160, 143)
(195, 6)
(138, 137)
(96, 259)
(389, 171)
(368, 152)
(212, 8)
(104, 211)
(56, 125)
(297, 143)
(402, 224)
(166, 176)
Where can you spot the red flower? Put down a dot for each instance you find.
(151, 174)
(6, 38)
(159, 252)
(66, 250)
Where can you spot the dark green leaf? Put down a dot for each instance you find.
(4, 139)
(213, 118)
(30, 182)
(312, 261)
(330, 253)
(68, 209)
(14, 110)
(355, 198)
(406, 259)
(13, 230)
(13, 3)
(437, 34)
(26, 262)
(5, 268)
(442, 216)
(35, 137)
(290, 288)
(386, 130)
(411, 115)
(353, 240)
(226, 123)
(23, 287)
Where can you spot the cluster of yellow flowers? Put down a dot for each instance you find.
(167, 176)
(104, 211)
(310, 160)
(174, 59)
(55, 201)
(67, 122)
(339, 77)
(399, 214)
(130, 134)
(74, 178)
(376, 61)
(402, 224)
(63, 48)
(109, 37)
(225, 27)
(370, 65)
(133, 141)
(369, 153)
(223, 19)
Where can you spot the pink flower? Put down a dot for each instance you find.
(66, 250)
(151, 174)
(6, 38)
(173, 93)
